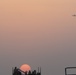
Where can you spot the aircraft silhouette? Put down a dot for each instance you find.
(74, 15)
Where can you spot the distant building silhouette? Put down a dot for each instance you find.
(17, 71)
(66, 73)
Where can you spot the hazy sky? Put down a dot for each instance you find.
(39, 33)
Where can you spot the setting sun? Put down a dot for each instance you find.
(25, 67)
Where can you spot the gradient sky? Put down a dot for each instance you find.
(39, 33)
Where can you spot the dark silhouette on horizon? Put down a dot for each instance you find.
(17, 71)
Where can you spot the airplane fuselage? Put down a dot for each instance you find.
(74, 15)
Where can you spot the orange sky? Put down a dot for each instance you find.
(35, 15)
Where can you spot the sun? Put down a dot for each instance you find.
(25, 67)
